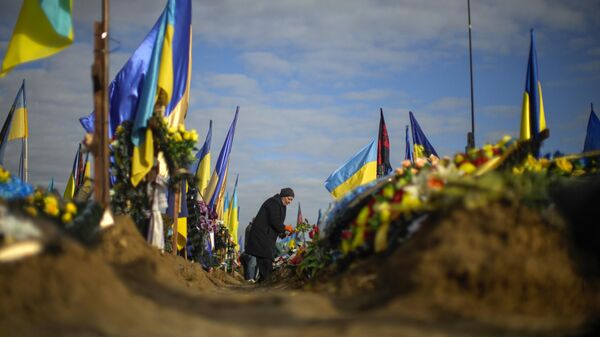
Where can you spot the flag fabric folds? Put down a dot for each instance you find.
(203, 167)
(383, 148)
(126, 90)
(407, 151)
(44, 28)
(592, 136)
(421, 145)
(234, 220)
(216, 186)
(71, 183)
(533, 118)
(360, 169)
(299, 218)
(15, 125)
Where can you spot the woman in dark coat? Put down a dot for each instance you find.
(267, 225)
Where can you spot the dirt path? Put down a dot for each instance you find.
(123, 287)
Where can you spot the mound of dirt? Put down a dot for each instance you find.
(496, 262)
(117, 283)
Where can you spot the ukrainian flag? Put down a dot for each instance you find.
(44, 28)
(15, 126)
(71, 185)
(216, 186)
(533, 119)
(422, 146)
(234, 220)
(158, 71)
(360, 169)
(203, 168)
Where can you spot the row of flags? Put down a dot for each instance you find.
(373, 161)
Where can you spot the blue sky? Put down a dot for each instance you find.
(310, 76)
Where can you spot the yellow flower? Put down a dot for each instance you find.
(172, 130)
(187, 136)
(180, 128)
(467, 168)
(518, 170)
(564, 165)
(66, 218)
(177, 137)
(4, 175)
(51, 209)
(194, 135)
(458, 158)
(71, 208)
(51, 205)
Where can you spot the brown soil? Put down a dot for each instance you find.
(494, 272)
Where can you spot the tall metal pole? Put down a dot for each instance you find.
(24, 143)
(100, 83)
(471, 135)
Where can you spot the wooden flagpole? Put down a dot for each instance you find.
(100, 85)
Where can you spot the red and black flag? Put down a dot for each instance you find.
(383, 149)
(299, 218)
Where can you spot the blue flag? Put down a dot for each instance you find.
(592, 136)
(407, 151)
(126, 89)
(215, 186)
(422, 146)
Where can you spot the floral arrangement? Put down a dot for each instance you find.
(12, 187)
(175, 144)
(386, 212)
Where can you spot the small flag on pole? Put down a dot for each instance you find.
(533, 118)
(383, 148)
(358, 170)
(422, 146)
(592, 136)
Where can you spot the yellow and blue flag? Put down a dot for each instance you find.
(360, 169)
(15, 125)
(533, 118)
(421, 145)
(158, 73)
(216, 186)
(592, 136)
(71, 183)
(203, 166)
(234, 220)
(44, 28)
(225, 216)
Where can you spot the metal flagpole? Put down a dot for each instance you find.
(471, 135)
(24, 144)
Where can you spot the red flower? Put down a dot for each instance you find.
(398, 196)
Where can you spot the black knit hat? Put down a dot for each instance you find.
(286, 192)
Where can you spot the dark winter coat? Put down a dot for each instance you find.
(267, 225)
